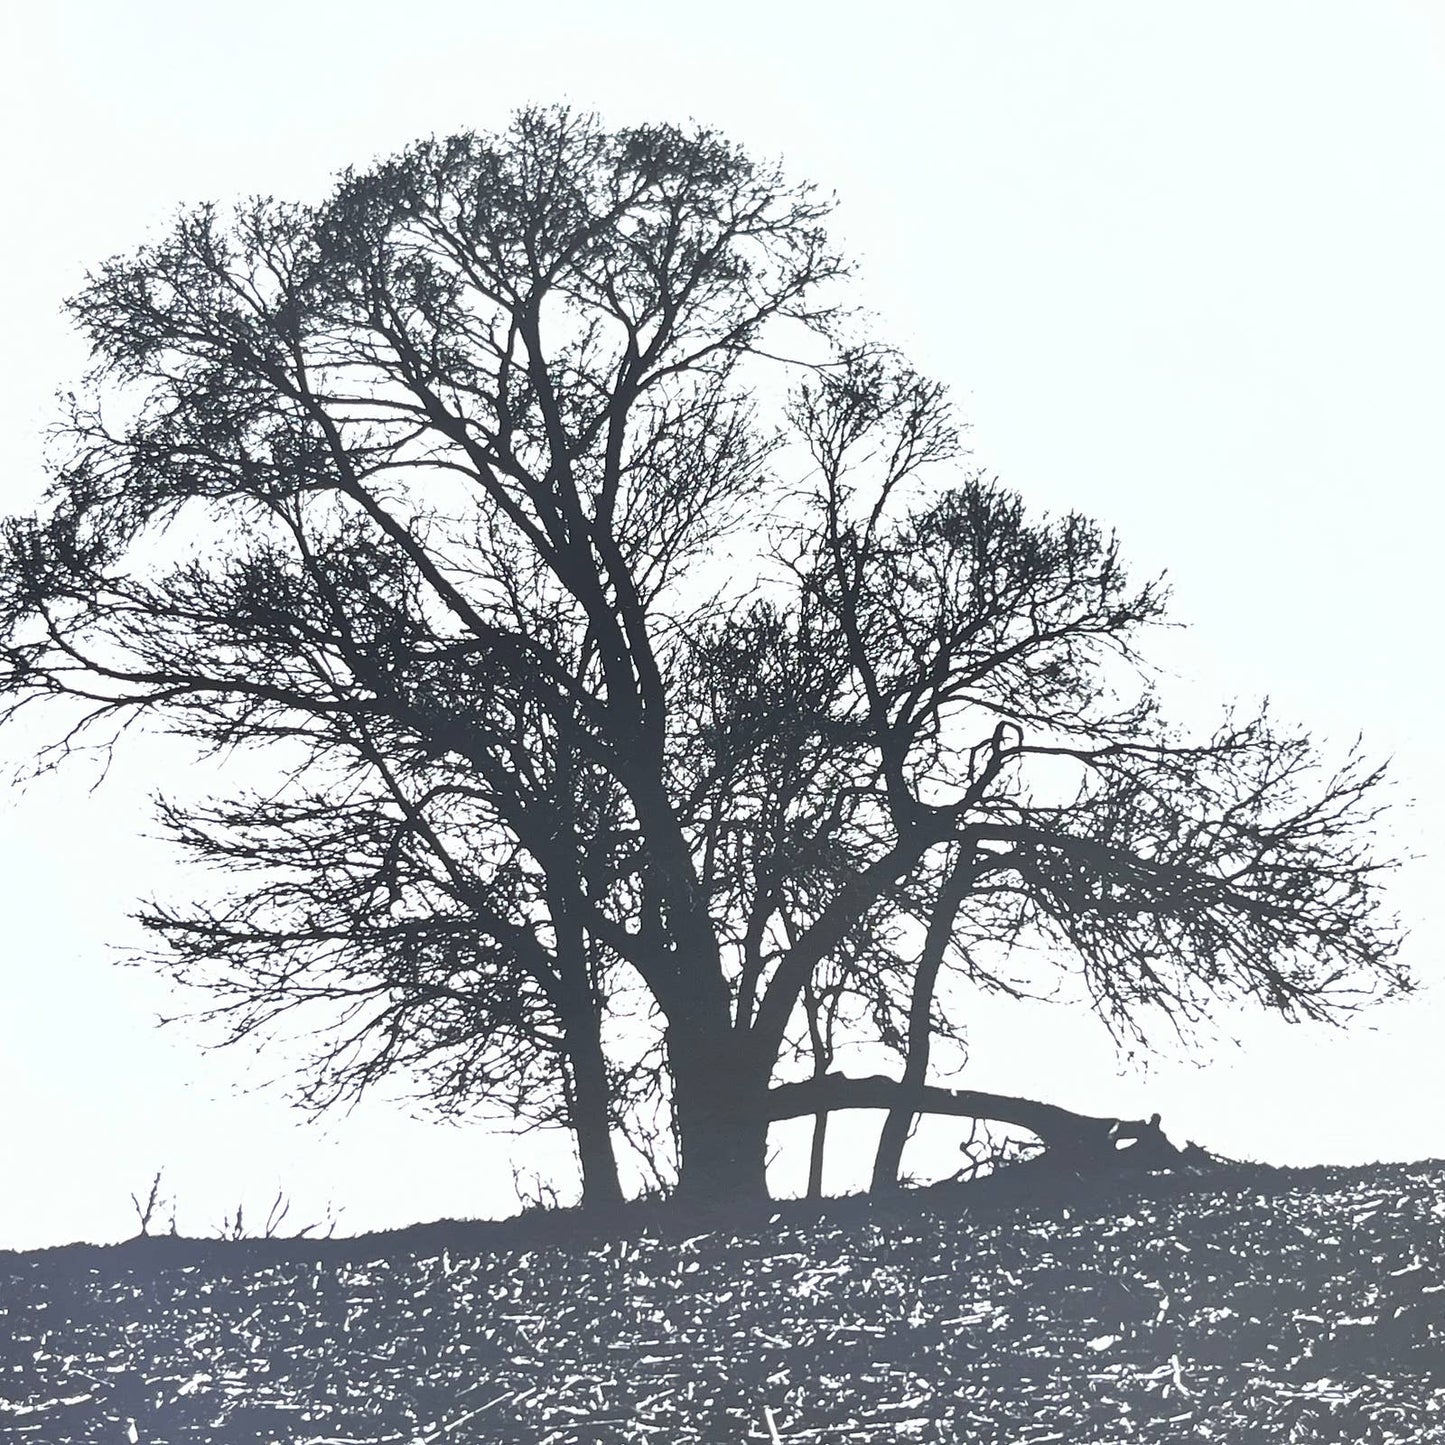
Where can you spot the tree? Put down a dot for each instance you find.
(421, 494)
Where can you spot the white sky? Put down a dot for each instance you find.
(1181, 265)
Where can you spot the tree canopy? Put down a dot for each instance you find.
(638, 687)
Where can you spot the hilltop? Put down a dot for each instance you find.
(1243, 1304)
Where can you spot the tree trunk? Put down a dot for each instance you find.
(820, 1039)
(601, 1187)
(817, 1154)
(722, 1126)
(889, 1157)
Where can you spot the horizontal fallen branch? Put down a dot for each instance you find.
(1061, 1130)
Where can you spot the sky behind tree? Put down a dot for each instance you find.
(1179, 266)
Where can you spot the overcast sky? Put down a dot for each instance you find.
(1179, 263)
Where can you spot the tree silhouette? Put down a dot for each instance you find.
(582, 668)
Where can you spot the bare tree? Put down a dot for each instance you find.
(420, 495)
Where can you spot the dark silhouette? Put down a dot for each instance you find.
(634, 736)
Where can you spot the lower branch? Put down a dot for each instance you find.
(1078, 1139)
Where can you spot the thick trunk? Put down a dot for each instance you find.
(721, 1123)
(601, 1187)
(1079, 1140)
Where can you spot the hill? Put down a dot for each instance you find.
(1247, 1304)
